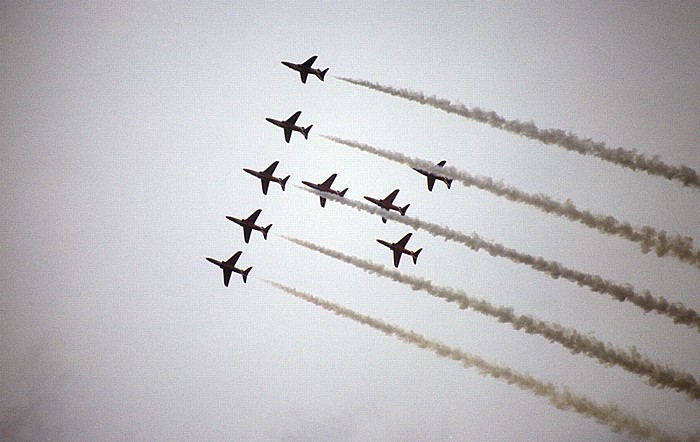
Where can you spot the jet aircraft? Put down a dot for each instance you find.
(432, 177)
(289, 125)
(266, 176)
(399, 248)
(388, 203)
(305, 69)
(249, 225)
(230, 266)
(326, 187)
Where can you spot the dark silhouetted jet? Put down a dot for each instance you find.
(305, 69)
(326, 187)
(290, 125)
(230, 266)
(249, 225)
(266, 176)
(399, 248)
(432, 177)
(388, 203)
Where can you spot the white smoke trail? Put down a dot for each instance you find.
(679, 313)
(649, 238)
(610, 415)
(657, 375)
(622, 157)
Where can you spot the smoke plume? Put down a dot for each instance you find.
(679, 313)
(649, 238)
(632, 361)
(563, 399)
(622, 157)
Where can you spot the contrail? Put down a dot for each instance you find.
(679, 313)
(649, 238)
(657, 375)
(563, 399)
(622, 157)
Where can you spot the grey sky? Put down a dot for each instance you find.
(125, 128)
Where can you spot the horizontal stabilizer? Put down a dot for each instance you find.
(404, 209)
(306, 131)
(415, 255)
(284, 181)
(322, 74)
(265, 230)
(343, 192)
(245, 274)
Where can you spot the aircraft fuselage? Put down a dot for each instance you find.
(263, 175)
(322, 188)
(304, 69)
(395, 247)
(245, 223)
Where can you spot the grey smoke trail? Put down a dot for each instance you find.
(679, 313)
(657, 375)
(610, 415)
(649, 238)
(622, 157)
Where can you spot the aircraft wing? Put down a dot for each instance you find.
(227, 276)
(329, 180)
(403, 241)
(303, 76)
(252, 218)
(265, 184)
(390, 199)
(287, 134)
(431, 182)
(309, 62)
(293, 119)
(246, 233)
(233, 259)
(397, 258)
(271, 168)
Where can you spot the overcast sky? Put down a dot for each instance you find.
(125, 128)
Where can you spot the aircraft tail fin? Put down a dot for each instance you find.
(448, 181)
(245, 274)
(265, 230)
(404, 209)
(322, 74)
(284, 181)
(343, 192)
(415, 255)
(306, 131)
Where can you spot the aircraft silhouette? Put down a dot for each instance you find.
(229, 266)
(432, 177)
(289, 125)
(399, 248)
(266, 176)
(305, 69)
(249, 225)
(326, 187)
(388, 203)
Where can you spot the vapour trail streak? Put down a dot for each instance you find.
(681, 247)
(632, 361)
(679, 313)
(622, 157)
(609, 414)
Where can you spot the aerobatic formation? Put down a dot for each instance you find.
(682, 248)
